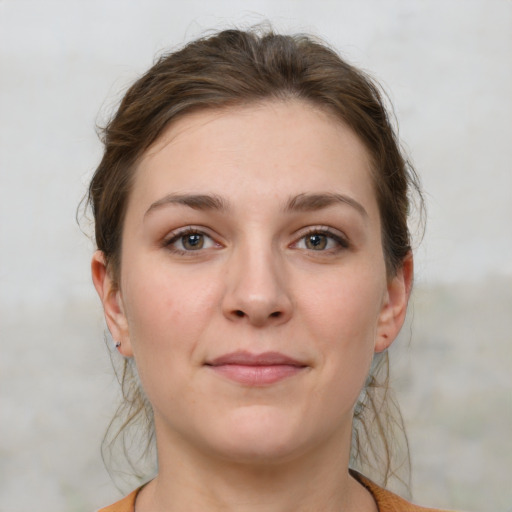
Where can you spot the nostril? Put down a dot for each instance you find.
(275, 314)
(239, 313)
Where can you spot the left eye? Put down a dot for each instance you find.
(320, 241)
(192, 241)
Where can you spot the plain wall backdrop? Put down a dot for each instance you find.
(447, 66)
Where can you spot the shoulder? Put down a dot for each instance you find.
(125, 505)
(388, 501)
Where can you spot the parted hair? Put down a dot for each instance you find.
(237, 68)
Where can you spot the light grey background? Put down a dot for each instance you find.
(447, 66)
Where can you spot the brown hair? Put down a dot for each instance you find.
(233, 68)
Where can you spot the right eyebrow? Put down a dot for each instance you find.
(195, 201)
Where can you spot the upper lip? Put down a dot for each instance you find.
(244, 358)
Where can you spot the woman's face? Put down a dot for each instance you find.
(253, 289)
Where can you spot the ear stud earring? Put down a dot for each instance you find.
(118, 344)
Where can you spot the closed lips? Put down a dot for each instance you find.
(248, 359)
(256, 369)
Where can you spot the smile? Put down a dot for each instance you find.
(256, 369)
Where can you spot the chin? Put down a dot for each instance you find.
(259, 435)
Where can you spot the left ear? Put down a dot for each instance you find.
(394, 307)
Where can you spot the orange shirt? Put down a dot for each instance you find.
(386, 500)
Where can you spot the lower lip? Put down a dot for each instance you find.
(257, 375)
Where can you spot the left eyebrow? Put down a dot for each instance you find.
(312, 202)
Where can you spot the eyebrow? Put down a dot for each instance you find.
(195, 201)
(312, 202)
(300, 203)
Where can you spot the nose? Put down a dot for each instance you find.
(257, 291)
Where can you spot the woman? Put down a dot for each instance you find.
(254, 262)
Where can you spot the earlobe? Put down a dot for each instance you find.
(112, 301)
(394, 308)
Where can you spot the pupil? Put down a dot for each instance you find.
(193, 241)
(317, 241)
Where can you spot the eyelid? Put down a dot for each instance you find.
(334, 234)
(176, 234)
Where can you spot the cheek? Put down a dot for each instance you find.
(342, 317)
(165, 320)
(346, 305)
(166, 314)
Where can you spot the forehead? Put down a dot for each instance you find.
(279, 148)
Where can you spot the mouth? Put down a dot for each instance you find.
(256, 369)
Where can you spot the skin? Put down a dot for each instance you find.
(259, 283)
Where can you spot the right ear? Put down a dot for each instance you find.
(111, 298)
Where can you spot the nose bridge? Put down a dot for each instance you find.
(256, 289)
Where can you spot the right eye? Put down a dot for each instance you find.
(190, 240)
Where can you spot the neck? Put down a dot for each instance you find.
(315, 480)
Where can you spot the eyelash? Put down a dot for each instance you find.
(341, 241)
(177, 235)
